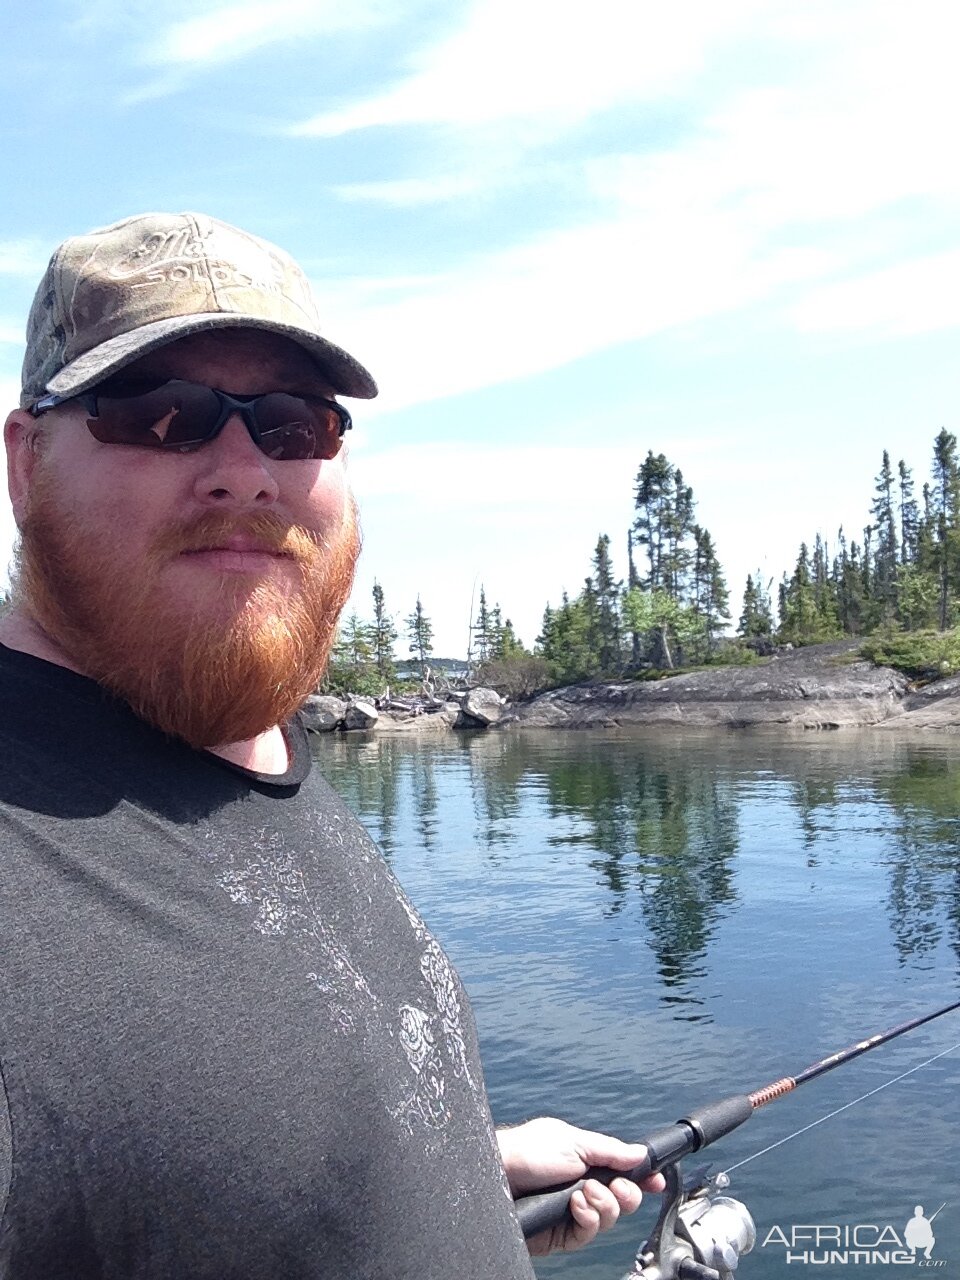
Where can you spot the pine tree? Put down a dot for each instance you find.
(605, 596)
(946, 509)
(420, 635)
(654, 499)
(679, 528)
(798, 621)
(484, 631)
(564, 641)
(508, 645)
(848, 584)
(885, 550)
(824, 592)
(709, 597)
(756, 620)
(352, 656)
(909, 515)
(382, 634)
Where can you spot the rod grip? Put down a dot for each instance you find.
(664, 1146)
(547, 1208)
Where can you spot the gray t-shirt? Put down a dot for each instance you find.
(230, 1048)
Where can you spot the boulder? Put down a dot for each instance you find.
(360, 715)
(483, 705)
(322, 714)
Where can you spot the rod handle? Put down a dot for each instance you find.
(665, 1146)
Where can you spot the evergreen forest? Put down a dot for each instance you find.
(896, 585)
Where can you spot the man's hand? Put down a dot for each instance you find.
(543, 1152)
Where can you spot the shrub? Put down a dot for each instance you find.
(519, 676)
(919, 654)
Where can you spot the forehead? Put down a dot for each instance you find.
(244, 361)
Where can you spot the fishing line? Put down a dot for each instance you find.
(846, 1106)
(704, 1125)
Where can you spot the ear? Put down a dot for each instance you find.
(20, 436)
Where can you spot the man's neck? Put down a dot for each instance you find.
(266, 753)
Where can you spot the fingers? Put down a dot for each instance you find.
(602, 1148)
(596, 1208)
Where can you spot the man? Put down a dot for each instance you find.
(229, 1046)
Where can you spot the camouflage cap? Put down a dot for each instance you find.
(109, 297)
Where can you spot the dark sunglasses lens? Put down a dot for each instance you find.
(175, 415)
(292, 428)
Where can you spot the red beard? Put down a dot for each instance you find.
(220, 674)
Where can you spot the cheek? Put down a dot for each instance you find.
(111, 498)
(321, 500)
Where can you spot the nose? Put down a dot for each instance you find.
(234, 471)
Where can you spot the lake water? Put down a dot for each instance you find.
(648, 922)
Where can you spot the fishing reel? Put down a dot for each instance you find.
(699, 1234)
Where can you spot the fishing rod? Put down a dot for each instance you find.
(668, 1145)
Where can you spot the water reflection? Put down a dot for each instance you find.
(646, 922)
(924, 895)
(658, 824)
(668, 835)
(812, 795)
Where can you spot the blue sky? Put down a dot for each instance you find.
(558, 234)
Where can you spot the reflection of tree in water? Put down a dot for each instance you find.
(924, 858)
(425, 794)
(668, 832)
(367, 775)
(498, 766)
(811, 796)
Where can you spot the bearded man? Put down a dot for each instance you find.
(229, 1047)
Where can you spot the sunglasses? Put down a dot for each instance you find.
(186, 415)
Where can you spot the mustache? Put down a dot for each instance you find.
(212, 529)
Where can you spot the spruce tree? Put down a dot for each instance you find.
(756, 620)
(420, 635)
(383, 634)
(654, 500)
(484, 630)
(709, 597)
(946, 510)
(606, 605)
(909, 515)
(885, 550)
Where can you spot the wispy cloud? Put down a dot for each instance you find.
(413, 192)
(913, 297)
(524, 59)
(236, 30)
(558, 297)
(774, 195)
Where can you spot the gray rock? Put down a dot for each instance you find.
(322, 714)
(483, 705)
(360, 715)
(934, 706)
(816, 687)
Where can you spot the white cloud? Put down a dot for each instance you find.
(524, 59)
(775, 196)
(234, 30)
(913, 297)
(411, 192)
(496, 476)
(545, 303)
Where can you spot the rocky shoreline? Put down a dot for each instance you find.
(818, 687)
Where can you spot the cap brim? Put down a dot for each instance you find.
(347, 376)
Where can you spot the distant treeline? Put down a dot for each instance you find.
(672, 610)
